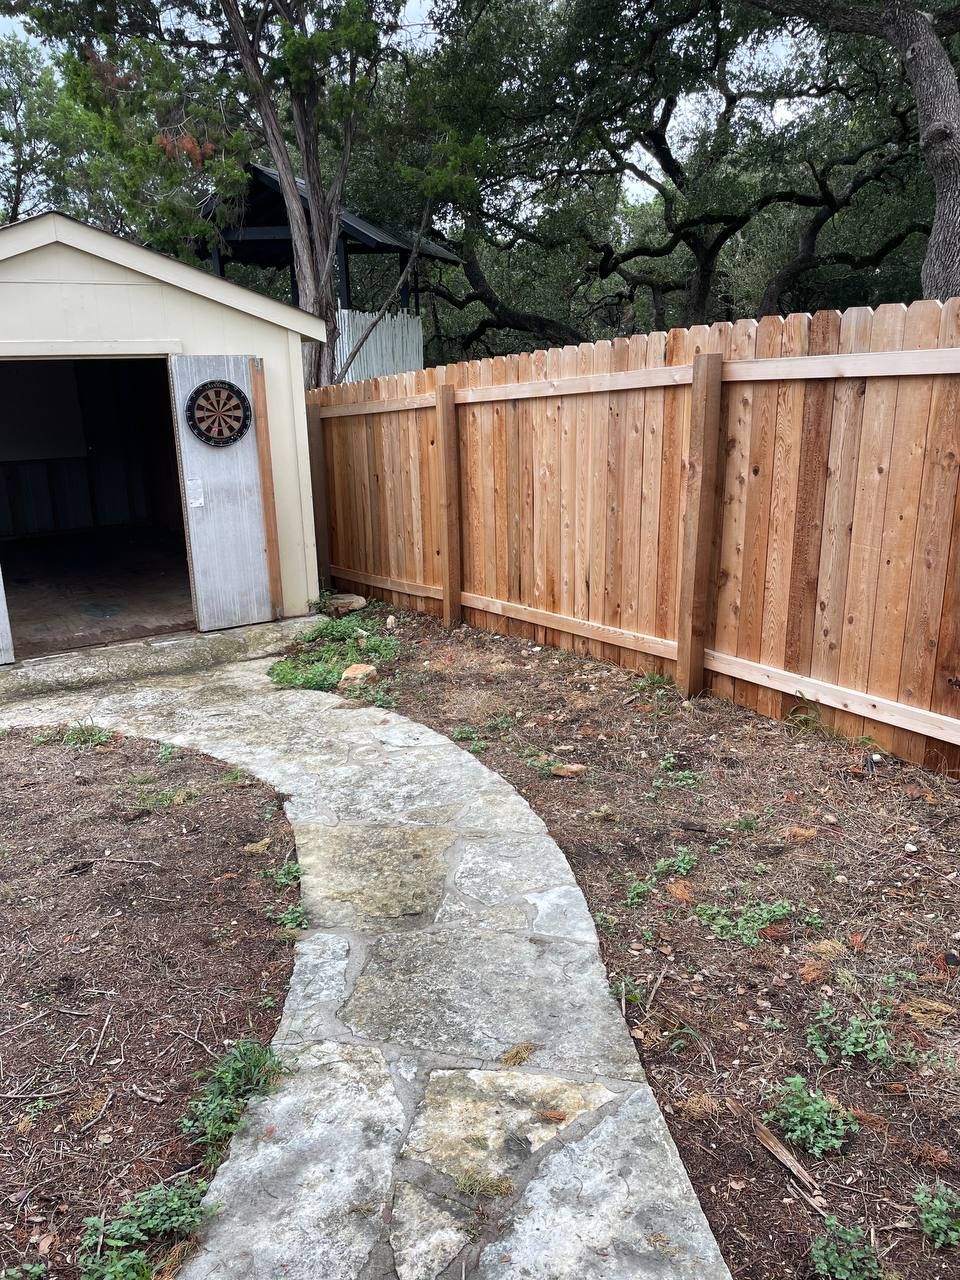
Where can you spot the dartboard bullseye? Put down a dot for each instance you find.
(218, 413)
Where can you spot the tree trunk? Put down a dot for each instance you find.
(937, 96)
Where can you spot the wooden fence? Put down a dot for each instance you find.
(769, 509)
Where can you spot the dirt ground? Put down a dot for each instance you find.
(829, 874)
(136, 942)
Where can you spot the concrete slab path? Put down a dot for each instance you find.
(446, 928)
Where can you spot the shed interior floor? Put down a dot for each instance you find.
(94, 587)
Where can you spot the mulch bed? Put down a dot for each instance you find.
(863, 851)
(135, 944)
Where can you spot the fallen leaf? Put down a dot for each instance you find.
(568, 770)
(856, 941)
(813, 971)
(553, 1117)
(791, 797)
(774, 932)
(869, 1119)
(927, 1012)
(258, 848)
(799, 835)
(680, 891)
(736, 1184)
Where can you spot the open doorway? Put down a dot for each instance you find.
(92, 544)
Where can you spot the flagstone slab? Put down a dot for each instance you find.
(472, 992)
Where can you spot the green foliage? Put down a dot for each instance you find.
(805, 1117)
(470, 737)
(683, 862)
(746, 926)
(288, 873)
(294, 917)
(248, 1070)
(151, 798)
(672, 776)
(842, 1253)
(861, 1036)
(118, 1249)
(542, 762)
(26, 1271)
(166, 752)
(747, 822)
(939, 1214)
(652, 683)
(87, 735)
(322, 654)
(638, 892)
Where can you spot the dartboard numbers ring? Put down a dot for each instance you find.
(218, 413)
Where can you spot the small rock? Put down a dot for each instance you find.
(952, 959)
(877, 757)
(568, 770)
(830, 819)
(840, 880)
(357, 673)
(344, 602)
(910, 848)
(391, 623)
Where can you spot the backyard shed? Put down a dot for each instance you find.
(154, 468)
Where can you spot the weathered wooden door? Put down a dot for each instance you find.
(6, 639)
(215, 408)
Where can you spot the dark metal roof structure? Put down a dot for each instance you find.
(262, 239)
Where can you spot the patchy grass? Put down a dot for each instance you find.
(483, 1185)
(319, 657)
(743, 873)
(248, 1070)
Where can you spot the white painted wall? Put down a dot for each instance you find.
(58, 293)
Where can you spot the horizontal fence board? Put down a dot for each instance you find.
(828, 541)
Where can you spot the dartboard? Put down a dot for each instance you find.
(218, 413)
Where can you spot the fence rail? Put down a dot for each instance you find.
(769, 509)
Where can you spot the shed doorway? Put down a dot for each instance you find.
(92, 543)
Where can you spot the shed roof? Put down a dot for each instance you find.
(49, 228)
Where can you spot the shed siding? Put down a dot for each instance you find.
(65, 294)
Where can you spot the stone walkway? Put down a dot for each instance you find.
(446, 929)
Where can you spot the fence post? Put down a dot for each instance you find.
(318, 483)
(699, 500)
(448, 442)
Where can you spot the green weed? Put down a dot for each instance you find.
(291, 917)
(542, 763)
(867, 1037)
(288, 873)
(745, 927)
(805, 1117)
(470, 737)
(638, 891)
(605, 922)
(248, 1070)
(117, 1250)
(87, 735)
(842, 1253)
(166, 752)
(681, 864)
(653, 683)
(321, 654)
(233, 775)
(672, 776)
(939, 1214)
(43, 737)
(746, 822)
(167, 798)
